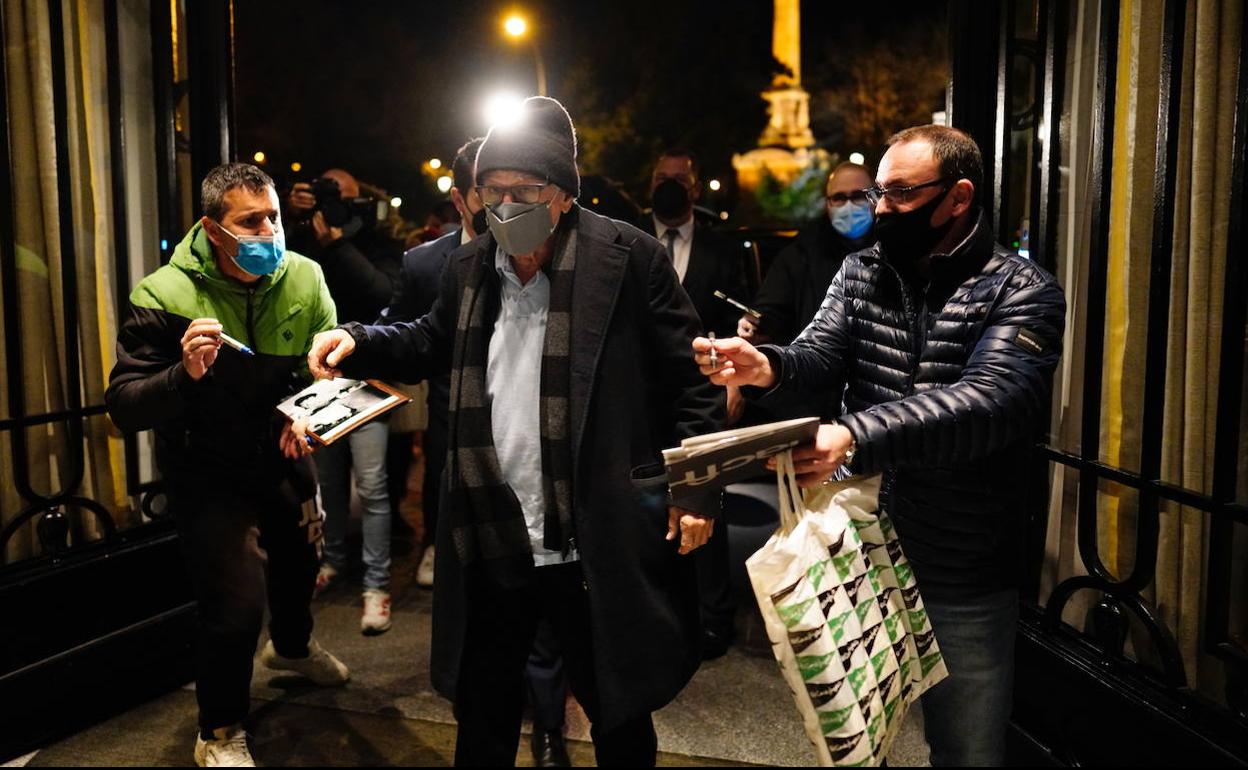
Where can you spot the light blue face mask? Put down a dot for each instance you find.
(259, 254)
(852, 220)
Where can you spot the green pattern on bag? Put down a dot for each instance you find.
(873, 574)
(863, 610)
(837, 625)
(843, 562)
(905, 575)
(812, 666)
(890, 625)
(880, 660)
(792, 614)
(857, 678)
(873, 729)
(929, 662)
(816, 572)
(890, 708)
(918, 620)
(834, 720)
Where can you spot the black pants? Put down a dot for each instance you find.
(243, 548)
(501, 625)
(718, 605)
(548, 685)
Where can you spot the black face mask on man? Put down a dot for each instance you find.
(671, 199)
(909, 235)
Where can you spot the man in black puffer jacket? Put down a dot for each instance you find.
(944, 346)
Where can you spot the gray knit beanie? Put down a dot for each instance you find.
(541, 142)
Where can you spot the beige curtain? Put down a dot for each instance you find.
(41, 264)
(1209, 72)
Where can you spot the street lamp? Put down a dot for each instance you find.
(516, 27)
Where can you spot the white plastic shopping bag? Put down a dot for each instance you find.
(844, 617)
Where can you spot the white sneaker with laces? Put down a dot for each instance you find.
(376, 618)
(326, 576)
(320, 666)
(228, 748)
(424, 573)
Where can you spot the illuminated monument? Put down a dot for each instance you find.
(784, 148)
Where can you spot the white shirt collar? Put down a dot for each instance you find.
(684, 232)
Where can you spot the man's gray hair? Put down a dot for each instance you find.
(955, 150)
(226, 177)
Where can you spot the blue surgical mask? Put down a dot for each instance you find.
(851, 220)
(259, 254)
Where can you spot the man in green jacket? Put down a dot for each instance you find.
(240, 485)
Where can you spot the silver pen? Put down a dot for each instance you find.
(240, 347)
(714, 353)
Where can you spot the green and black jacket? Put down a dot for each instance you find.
(225, 422)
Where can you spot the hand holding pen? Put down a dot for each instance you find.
(201, 343)
(295, 441)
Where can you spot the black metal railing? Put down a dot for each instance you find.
(53, 524)
(1121, 597)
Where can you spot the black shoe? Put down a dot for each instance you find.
(549, 749)
(715, 644)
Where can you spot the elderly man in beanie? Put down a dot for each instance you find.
(566, 335)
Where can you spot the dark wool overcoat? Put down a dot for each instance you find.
(634, 391)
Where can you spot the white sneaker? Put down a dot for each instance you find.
(229, 751)
(326, 576)
(424, 573)
(320, 666)
(376, 618)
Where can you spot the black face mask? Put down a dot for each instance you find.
(907, 236)
(479, 225)
(671, 199)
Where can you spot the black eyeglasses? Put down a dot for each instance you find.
(840, 198)
(492, 195)
(897, 194)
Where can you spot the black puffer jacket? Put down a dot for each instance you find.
(945, 391)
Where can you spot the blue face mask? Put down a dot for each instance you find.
(851, 220)
(259, 254)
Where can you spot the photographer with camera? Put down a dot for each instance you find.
(338, 228)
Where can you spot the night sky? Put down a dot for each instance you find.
(379, 87)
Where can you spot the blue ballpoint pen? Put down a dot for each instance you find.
(240, 347)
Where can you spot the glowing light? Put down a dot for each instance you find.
(714, 185)
(723, 215)
(444, 183)
(435, 164)
(296, 167)
(594, 201)
(748, 244)
(515, 25)
(502, 109)
(258, 157)
(857, 157)
(395, 202)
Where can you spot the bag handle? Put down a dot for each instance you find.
(792, 505)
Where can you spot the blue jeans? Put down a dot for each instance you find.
(965, 716)
(364, 449)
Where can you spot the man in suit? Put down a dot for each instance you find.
(566, 336)
(705, 262)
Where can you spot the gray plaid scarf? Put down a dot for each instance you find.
(486, 520)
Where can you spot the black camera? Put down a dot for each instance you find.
(338, 211)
